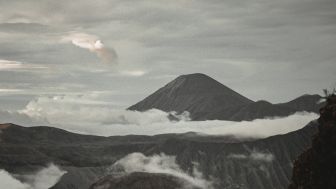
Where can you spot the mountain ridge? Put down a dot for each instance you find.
(207, 99)
(87, 158)
(196, 93)
(316, 168)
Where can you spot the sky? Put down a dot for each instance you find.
(116, 52)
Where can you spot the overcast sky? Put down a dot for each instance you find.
(119, 51)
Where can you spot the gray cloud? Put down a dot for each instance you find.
(28, 28)
(247, 45)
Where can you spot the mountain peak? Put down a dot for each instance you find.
(197, 83)
(142, 180)
(196, 93)
(194, 76)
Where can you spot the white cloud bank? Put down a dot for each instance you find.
(257, 128)
(43, 179)
(88, 110)
(8, 181)
(138, 162)
(89, 115)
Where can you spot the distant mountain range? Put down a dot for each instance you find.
(228, 161)
(253, 163)
(207, 99)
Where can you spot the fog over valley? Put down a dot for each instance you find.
(179, 94)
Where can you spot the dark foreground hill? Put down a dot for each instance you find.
(316, 167)
(141, 180)
(231, 163)
(207, 99)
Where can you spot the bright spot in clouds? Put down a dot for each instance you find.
(15, 65)
(93, 44)
(133, 72)
(85, 41)
(7, 65)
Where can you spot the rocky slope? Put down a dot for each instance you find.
(316, 167)
(207, 99)
(309, 103)
(231, 163)
(141, 180)
(198, 94)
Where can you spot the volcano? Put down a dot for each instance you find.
(197, 93)
(207, 99)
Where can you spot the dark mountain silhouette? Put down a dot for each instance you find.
(235, 163)
(261, 109)
(207, 99)
(316, 167)
(197, 93)
(142, 180)
(309, 103)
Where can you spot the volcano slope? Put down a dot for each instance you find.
(207, 99)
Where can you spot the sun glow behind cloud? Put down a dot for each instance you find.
(93, 44)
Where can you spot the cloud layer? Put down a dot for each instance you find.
(138, 162)
(43, 179)
(87, 114)
(247, 45)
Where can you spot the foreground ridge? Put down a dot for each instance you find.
(316, 167)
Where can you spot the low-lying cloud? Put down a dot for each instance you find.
(88, 115)
(8, 181)
(43, 179)
(138, 162)
(254, 156)
(86, 110)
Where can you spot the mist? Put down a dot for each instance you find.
(87, 115)
(43, 179)
(254, 156)
(259, 128)
(160, 163)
